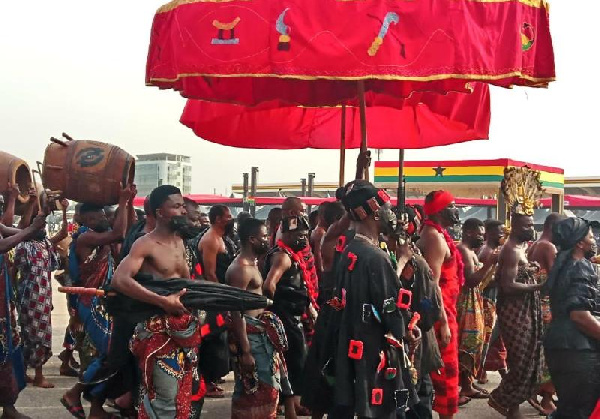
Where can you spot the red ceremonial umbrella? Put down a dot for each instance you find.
(328, 52)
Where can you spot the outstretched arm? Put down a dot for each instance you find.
(6, 244)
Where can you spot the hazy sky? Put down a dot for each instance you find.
(78, 67)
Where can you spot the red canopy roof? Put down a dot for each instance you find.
(311, 52)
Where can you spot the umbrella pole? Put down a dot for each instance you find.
(343, 147)
(363, 122)
(401, 185)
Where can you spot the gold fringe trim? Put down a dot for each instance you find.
(538, 81)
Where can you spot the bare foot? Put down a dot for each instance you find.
(42, 383)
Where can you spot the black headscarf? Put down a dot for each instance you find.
(565, 235)
(362, 199)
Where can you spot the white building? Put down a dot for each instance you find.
(152, 170)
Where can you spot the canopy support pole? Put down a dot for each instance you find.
(363, 122)
(343, 147)
(401, 182)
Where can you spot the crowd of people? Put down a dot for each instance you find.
(376, 311)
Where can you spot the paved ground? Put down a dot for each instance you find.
(44, 403)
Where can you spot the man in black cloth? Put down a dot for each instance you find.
(371, 378)
(572, 341)
(286, 274)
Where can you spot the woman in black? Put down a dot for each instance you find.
(572, 342)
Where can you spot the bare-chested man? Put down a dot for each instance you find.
(471, 326)
(258, 335)
(445, 261)
(520, 319)
(543, 252)
(329, 213)
(215, 257)
(164, 345)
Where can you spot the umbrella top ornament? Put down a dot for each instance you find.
(312, 52)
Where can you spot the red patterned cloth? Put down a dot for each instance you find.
(445, 381)
(35, 261)
(166, 349)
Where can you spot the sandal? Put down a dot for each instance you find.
(75, 410)
(477, 395)
(465, 400)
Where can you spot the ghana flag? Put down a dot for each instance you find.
(463, 172)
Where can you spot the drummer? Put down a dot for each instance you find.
(165, 346)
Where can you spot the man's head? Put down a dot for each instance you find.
(242, 217)
(339, 194)
(204, 220)
(330, 212)
(521, 228)
(473, 233)
(371, 206)
(494, 232)
(550, 221)
(295, 232)
(575, 234)
(167, 206)
(94, 218)
(441, 208)
(193, 214)
(220, 218)
(292, 206)
(274, 218)
(253, 235)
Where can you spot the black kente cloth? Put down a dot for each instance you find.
(289, 303)
(366, 274)
(320, 398)
(576, 377)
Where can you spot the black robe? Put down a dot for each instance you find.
(362, 381)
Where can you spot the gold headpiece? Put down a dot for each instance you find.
(522, 189)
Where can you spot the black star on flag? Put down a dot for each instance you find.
(439, 171)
